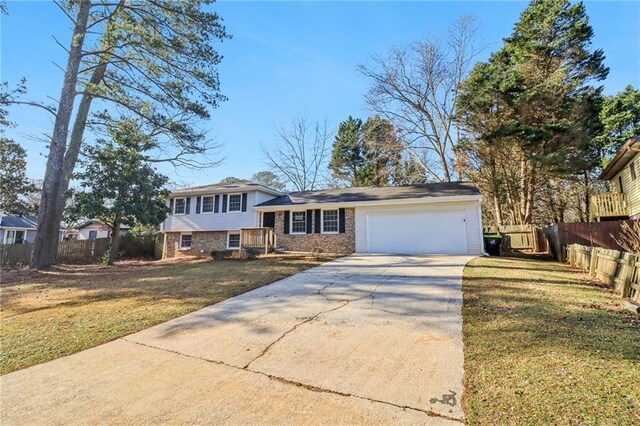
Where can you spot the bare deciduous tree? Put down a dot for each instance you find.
(629, 237)
(416, 87)
(300, 153)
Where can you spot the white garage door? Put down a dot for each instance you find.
(411, 232)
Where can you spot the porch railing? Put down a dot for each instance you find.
(257, 238)
(608, 205)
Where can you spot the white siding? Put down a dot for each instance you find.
(471, 211)
(29, 237)
(217, 221)
(83, 234)
(630, 187)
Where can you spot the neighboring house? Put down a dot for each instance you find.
(93, 229)
(442, 218)
(17, 229)
(623, 175)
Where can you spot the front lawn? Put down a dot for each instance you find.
(544, 345)
(50, 314)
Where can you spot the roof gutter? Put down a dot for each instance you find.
(188, 193)
(610, 170)
(389, 202)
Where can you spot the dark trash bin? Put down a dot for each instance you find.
(492, 244)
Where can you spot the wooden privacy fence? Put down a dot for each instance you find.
(611, 266)
(599, 234)
(80, 251)
(520, 238)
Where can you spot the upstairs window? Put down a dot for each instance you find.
(632, 169)
(235, 202)
(298, 222)
(180, 206)
(207, 204)
(330, 221)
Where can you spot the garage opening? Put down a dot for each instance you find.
(411, 232)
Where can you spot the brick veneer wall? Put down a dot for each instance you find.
(330, 243)
(202, 244)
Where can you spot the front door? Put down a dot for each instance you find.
(269, 220)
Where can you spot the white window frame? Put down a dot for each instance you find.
(229, 234)
(213, 204)
(291, 222)
(175, 204)
(14, 230)
(229, 203)
(337, 231)
(180, 247)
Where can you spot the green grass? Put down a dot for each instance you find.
(544, 345)
(50, 314)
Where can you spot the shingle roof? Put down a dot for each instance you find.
(14, 221)
(239, 186)
(17, 221)
(363, 194)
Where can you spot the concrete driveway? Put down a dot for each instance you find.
(362, 339)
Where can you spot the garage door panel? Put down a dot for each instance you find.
(416, 232)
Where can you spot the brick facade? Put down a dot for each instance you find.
(344, 243)
(202, 244)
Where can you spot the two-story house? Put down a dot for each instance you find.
(433, 218)
(207, 218)
(623, 175)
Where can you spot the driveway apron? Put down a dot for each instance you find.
(362, 339)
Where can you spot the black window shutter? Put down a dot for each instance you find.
(216, 207)
(198, 201)
(309, 215)
(317, 221)
(188, 208)
(341, 221)
(171, 206)
(224, 203)
(286, 222)
(244, 201)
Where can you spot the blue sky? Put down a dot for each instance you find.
(289, 58)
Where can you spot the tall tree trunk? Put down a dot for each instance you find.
(587, 197)
(77, 136)
(498, 210)
(46, 241)
(528, 211)
(523, 190)
(115, 240)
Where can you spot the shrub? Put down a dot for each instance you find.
(221, 254)
(252, 252)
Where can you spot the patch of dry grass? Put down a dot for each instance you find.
(543, 345)
(50, 314)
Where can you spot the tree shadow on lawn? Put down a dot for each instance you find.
(565, 315)
(196, 281)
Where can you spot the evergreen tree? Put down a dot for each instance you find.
(15, 187)
(348, 163)
(620, 118)
(119, 185)
(268, 179)
(382, 150)
(534, 100)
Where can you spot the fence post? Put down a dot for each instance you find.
(593, 262)
(630, 263)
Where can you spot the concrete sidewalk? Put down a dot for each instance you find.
(363, 339)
